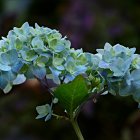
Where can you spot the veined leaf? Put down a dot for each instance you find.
(73, 94)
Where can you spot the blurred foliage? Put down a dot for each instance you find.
(88, 24)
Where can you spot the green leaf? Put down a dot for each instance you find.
(73, 94)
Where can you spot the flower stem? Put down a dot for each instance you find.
(77, 129)
(60, 117)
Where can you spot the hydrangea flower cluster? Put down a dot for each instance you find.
(43, 53)
(120, 66)
(39, 52)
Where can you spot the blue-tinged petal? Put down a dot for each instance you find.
(9, 75)
(17, 66)
(132, 50)
(9, 58)
(59, 48)
(79, 70)
(119, 48)
(25, 27)
(37, 42)
(29, 55)
(57, 61)
(68, 78)
(100, 51)
(4, 67)
(135, 75)
(6, 79)
(120, 67)
(41, 116)
(39, 72)
(103, 64)
(107, 56)
(37, 26)
(3, 81)
(41, 61)
(55, 74)
(107, 47)
(61, 67)
(48, 117)
(29, 72)
(128, 78)
(70, 65)
(44, 110)
(19, 79)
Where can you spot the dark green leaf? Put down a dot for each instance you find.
(73, 94)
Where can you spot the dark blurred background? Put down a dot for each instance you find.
(89, 24)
